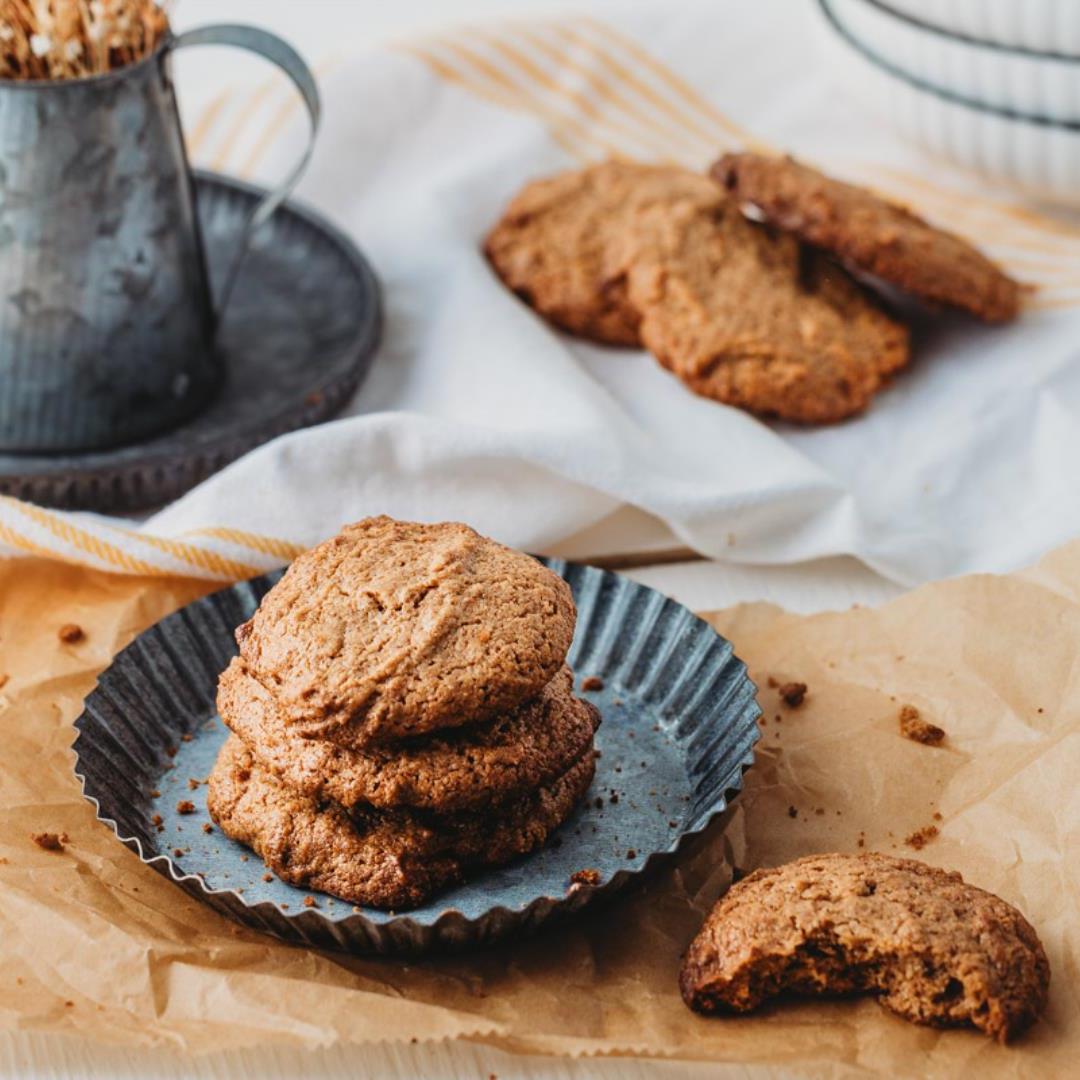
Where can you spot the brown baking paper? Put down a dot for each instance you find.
(93, 942)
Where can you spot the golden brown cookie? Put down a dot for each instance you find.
(555, 245)
(393, 629)
(871, 233)
(393, 859)
(468, 768)
(746, 315)
(934, 949)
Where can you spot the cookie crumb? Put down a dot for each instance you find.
(921, 837)
(70, 633)
(631, 853)
(157, 820)
(937, 815)
(185, 738)
(207, 827)
(598, 802)
(185, 806)
(773, 684)
(592, 682)
(193, 784)
(177, 852)
(309, 901)
(50, 841)
(585, 877)
(268, 877)
(793, 694)
(155, 794)
(914, 727)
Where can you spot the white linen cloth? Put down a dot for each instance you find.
(476, 410)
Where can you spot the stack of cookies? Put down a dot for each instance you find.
(402, 713)
(755, 285)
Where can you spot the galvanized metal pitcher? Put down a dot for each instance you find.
(107, 324)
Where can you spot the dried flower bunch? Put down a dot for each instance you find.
(71, 39)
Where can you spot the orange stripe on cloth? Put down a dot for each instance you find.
(441, 68)
(266, 545)
(608, 90)
(675, 83)
(81, 540)
(581, 104)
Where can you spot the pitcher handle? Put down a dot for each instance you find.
(284, 56)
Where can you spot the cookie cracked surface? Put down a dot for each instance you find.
(558, 244)
(871, 233)
(394, 859)
(934, 949)
(393, 629)
(750, 317)
(462, 769)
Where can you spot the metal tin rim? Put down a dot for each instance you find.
(312, 919)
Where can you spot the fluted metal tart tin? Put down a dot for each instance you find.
(679, 728)
(298, 337)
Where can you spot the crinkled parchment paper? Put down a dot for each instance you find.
(93, 942)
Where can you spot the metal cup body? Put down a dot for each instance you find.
(106, 319)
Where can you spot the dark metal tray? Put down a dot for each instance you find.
(298, 338)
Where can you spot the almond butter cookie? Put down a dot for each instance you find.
(872, 234)
(393, 859)
(466, 768)
(557, 243)
(393, 629)
(933, 949)
(746, 315)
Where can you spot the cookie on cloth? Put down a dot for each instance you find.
(748, 316)
(393, 629)
(393, 859)
(871, 233)
(934, 949)
(466, 768)
(557, 243)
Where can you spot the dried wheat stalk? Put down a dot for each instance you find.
(70, 39)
